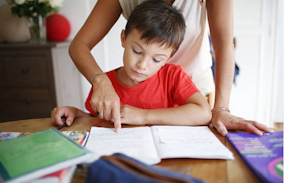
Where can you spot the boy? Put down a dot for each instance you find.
(151, 91)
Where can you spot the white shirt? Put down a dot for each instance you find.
(194, 53)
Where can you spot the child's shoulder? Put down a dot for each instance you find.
(171, 68)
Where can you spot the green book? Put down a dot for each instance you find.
(29, 157)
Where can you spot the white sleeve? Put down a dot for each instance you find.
(128, 6)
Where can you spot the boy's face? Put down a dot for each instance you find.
(141, 60)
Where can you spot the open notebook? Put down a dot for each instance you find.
(151, 144)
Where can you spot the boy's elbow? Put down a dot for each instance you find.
(207, 116)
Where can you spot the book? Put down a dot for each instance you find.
(151, 144)
(262, 154)
(65, 175)
(32, 156)
(79, 136)
(61, 176)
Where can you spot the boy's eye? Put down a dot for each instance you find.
(136, 51)
(156, 60)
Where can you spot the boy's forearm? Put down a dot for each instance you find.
(189, 115)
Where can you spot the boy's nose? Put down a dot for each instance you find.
(142, 64)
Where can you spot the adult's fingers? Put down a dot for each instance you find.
(108, 106)
(98, 108)
(116, 116)
(253, 127)
(261, 127)
(221, 128)
(247, 125)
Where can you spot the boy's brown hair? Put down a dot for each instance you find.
(158, 22)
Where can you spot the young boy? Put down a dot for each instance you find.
(151, 91)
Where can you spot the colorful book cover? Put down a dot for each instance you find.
(79, 136)
(63, 175)
(262, 154)
(33, 156)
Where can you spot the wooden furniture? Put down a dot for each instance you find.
(211, 171)
(210, 99)
(35, 78)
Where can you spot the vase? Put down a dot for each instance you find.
(37, 29)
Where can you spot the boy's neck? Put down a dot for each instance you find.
(123, 78)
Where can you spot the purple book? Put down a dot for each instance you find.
(262, 154)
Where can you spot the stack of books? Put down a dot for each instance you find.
(45, 156)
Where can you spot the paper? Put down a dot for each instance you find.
(36, 151)
(151, 144)
(188, 136)
(134, 142)
(185, 141)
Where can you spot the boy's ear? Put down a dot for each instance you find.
(122, 37)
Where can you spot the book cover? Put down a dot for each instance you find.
(32, 156)
(63, 175)
(79, 136)
(262, 154)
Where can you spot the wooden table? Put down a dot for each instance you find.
(211, 171)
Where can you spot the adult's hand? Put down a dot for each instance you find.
(223, 120)
(105, 101)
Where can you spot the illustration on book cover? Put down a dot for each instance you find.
(262, 154)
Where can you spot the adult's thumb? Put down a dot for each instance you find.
(220, 128)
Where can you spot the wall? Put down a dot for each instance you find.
(258, 92)
(278, 99)
(258, 88)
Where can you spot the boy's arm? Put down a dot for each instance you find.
(195, 112)
(59, 114)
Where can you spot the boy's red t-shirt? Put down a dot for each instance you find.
(171, 86)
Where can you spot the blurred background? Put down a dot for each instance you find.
(257, 93)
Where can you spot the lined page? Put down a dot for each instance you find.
(134, 142)
(188, 142)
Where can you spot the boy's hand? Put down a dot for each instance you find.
(132, 115)
(223, 120)
(59, 114)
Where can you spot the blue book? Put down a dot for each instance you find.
(262, 154)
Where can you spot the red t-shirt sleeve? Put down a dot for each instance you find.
(182, 87)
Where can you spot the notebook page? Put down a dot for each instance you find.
(134, 142)
(188, 142)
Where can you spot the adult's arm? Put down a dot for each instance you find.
(221, 23)
(102, 18)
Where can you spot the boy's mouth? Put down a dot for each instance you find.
(138, 73)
